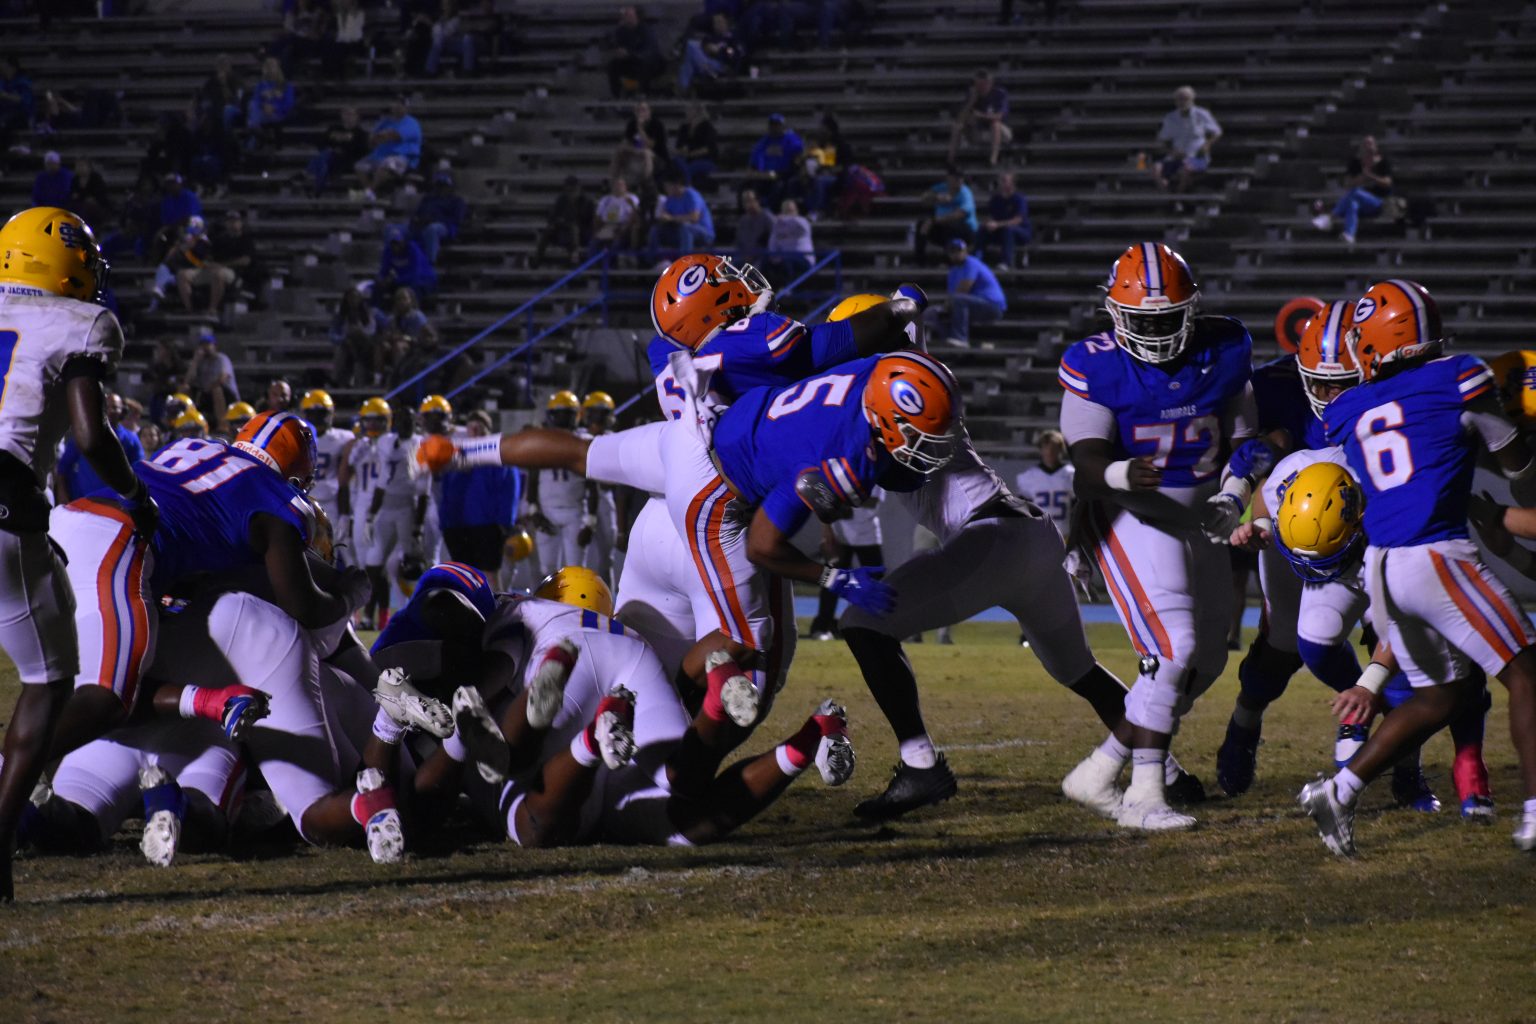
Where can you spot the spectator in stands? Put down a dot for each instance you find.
(279, 396)
(223, 92)
(346, 143)
(403, 328)
(754, 229)
(698, 147)
(983, 117)
(809, 187)
(568, 223)
(1188, 132)
(616, 221)
(270, 105)
(396, 141)
(90, 197)
(235, 249)
(416, 20)
(790, 247)
(17, 104)
(954, 214)
(201, 267)
(178, 204)
(190, 249)
(355, 333)
(683, 222)
(53, 183)
(451, 33)
(82, 108)
(347, 39)
(170, 150)
(642, 143)
(1007, 222)
(403, 265)
(439, 216)
(215, 152)
(305, 27)
(775, 159)
(973, 295)
(634, 57)
(150, 439)
(713, 55)
(210, 380)
(645, 122)
(1368, 183)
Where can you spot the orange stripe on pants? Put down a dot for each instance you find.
(1475, 618)
(742, 631)
(695, 507)
(1498, 604)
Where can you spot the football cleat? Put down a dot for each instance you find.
(386, 838)
(1525, 832)
(409, 707)
(165, 806)
(1411, 790)
(481, 735)
(1184, 788)
(1237, 759)
(1148, 811)
(909, 789)
(614, 726)
(1335, 821)
(241, 711)
(1348, 743)
(835, 757)
(1092, 784)
(546, 691)
(1478, 810)
(737, 694)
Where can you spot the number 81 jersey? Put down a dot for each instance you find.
(1181, 419)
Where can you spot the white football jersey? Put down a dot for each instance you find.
(39, 334)
(1050, 489)
(561, 491)
(328, 446)
(955, 494)
(365, 473)
(862, 529)
(394, 460)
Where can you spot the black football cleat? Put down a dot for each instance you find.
(909, 789)
(1186, 790)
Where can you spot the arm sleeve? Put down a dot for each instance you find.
(1082, 420)
(1240, 418)
(785, 508)
(832, 344)
(1490, 425)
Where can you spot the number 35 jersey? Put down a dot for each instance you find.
(207, 493)
(1410, 441)
(1183, 419)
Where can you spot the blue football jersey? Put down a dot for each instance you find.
(770, 436)
(207, 493)
(1281, 398)
(764, 350)
(407, 625)
(1406, 444)
(1175, 418)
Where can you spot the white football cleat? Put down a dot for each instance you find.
(737, 695)
(614, 728)
(1525, 832)
(546, 691)
(1092, 784)
(386, 839)
(409, 707)
(1335, 820)
(481, 735)
(162, 824)
(1148, 811)
(835, 756)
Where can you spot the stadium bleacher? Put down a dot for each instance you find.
(1449, 89)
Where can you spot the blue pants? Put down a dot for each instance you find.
(464, 42)
(431, 240)
(696, 61)
(680, 237)
(694, 171)
(1008, 239)
(964, 308)
(1356, 203)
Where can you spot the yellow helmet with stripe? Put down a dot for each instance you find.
(598, 400)
(238, 415)
(190, 424)
(54, 251)
(374, 417)
(1318, 522)
(317, 399)
(436, 403)
(177, 404)
(435, 412)
(562, 409)
(1515, 373)
(518, 545)
(577, 585)
(854, 304)
(597, 412)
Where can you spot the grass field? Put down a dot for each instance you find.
(1005, 904)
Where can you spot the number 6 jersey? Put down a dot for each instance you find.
(1409, 439)
(1184, 419)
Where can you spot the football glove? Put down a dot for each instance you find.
(861, 587)
(1223, 512)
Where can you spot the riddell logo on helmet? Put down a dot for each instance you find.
(907, 398)
(1364, 308)
(691, 280)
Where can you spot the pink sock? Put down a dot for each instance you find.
(209, 703)
(713, 709)
(584, 746)
(366, 805)
(800, 749)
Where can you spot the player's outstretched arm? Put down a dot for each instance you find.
(884, 328)
(283, 550)
(532, 448)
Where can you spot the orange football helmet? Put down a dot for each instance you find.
(285, 443)
(699, 295)
(1394, 320)
(1151, 296)
(1324, 356)
(910, 402)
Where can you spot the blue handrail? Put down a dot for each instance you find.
(526, 307)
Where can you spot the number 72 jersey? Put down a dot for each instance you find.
(1183, 420)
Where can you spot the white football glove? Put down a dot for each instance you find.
(1223, 512)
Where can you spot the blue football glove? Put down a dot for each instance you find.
(1253, 459)
(913, 292)
(861, 587)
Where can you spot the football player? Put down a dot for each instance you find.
(397, 509)
(612, 503)
(1152, 409)
(1411, 433)
(190, 424)
(1048, 483)
(436, 414)
(57, 344)
(356, 477)
(560, 503)
(237, 416)
(331, 441)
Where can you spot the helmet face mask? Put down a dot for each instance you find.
(1152, 299)
(54, 251)
(910, 406)
(1325, 357)
(1153, 335)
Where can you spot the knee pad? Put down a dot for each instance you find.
(1155, 700)
(1335, 664)
(1266, 671)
